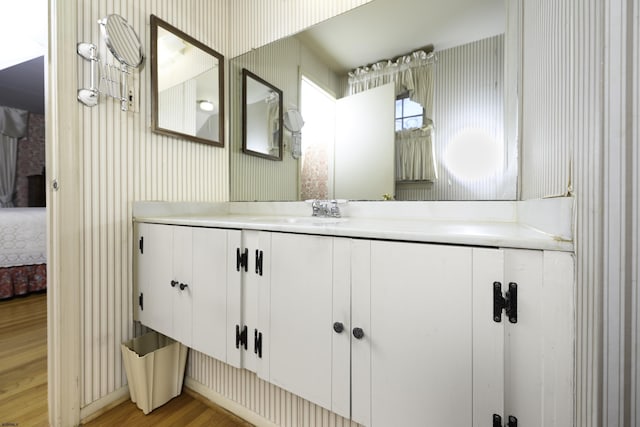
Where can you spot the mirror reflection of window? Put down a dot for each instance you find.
(409, 114)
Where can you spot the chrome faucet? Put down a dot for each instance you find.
(334, 209)
(325, 208)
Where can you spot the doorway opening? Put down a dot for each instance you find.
(318, 107)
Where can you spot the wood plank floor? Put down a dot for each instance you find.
(23, 380)
(23, 361)
(186, 410)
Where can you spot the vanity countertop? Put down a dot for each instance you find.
(439, 225)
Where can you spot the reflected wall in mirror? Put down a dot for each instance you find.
(474, 105)
(261, 117)
(187, 86)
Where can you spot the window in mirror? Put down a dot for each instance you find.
(261, 117)
(409, 114)
(187, 79)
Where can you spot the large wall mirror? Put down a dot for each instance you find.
(187, 86)
(474, 121)
(261, 117)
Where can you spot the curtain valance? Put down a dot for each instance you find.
(412, 74)
(13, 122)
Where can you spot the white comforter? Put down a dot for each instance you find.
(23, 236)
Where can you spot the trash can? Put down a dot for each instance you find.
(155, 366)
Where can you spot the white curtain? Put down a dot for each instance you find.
(411, 74)
(13, 125)
(415, 159)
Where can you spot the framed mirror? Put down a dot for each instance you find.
(261, 117)
(187, 86)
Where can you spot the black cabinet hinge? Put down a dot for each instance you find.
(242, 259)
(259, 256)
(257, 343)
(141, 244)
(241, 337)
(508, 303)
(497, 421)
(141, 301)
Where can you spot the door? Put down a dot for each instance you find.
(301, 315)
(154, 275)
(419, 336)
(253, 267)
(364, 155)
(213, 273)
(183, 288)
(488, 337)
(539, 348)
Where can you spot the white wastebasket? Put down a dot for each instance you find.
(155, 367)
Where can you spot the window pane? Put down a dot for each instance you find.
(413, 122)
(398, 125)
(398, 108)
(412, 108)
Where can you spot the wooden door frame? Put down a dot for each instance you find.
(63, 216)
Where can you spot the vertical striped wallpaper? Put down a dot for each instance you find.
(469, 82)
(557, 87)
(122, 161)
(253, 25)
(174, 113)
(562, 144)
(251, 177)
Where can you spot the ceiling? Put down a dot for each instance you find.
(22, 86)
(384, 29)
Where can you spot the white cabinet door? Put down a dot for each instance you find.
(301, 315)
(539, 352)
(213, 273)
(488, 338)
(183, 284)
(420, 336)
(254, 302)
(524, 368)
(154, 275)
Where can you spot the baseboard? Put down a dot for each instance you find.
(94, 409)
(228, 404)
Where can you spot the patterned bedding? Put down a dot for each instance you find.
(23, 251)
(23, 236)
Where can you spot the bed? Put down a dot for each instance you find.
(23, 251)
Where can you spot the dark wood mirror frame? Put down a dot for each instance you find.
(159, 23)
(246, 74)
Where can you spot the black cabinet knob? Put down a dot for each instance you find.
(358, 333)
(338, 327)
(183, 286)
(174, 283)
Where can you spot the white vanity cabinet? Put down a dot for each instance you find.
(431, 352)
(412, 354)
(309, 281)
(283, 318)
(182, 276)
(382, 332)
